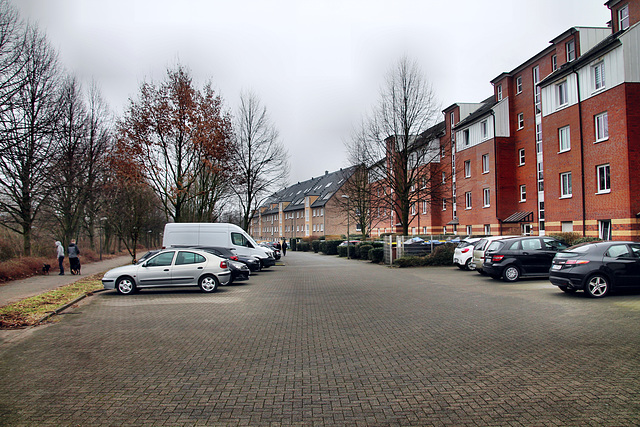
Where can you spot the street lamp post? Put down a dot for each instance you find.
(348, 242)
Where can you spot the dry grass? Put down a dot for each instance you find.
(30, 311)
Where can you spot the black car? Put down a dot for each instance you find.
(251, 262)
(597, 268)
(521, 257)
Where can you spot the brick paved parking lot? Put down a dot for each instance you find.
(327, 341)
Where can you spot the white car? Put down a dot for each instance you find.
(479, 249)
(463, 254)
(170, 267)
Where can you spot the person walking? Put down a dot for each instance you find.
(60, 253)
(284, 248)
(74, 261)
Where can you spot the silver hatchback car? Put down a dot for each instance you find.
(171, 267)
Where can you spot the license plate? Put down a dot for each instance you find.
(556, 266)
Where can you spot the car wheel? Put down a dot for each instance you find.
(466, 264)
(511, 273)
(208, 283)
(568, 289)
(597, 286)
(125, 285)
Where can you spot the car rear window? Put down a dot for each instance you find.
(464, 244)
(494, 246)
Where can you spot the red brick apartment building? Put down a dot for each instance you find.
(556, 147)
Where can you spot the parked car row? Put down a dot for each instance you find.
(597, 268)
(194, 254)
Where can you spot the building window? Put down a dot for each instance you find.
(538, 138)
(526, 229)
(413, 208)
(554, 63)
(540, 177)
(484, 129)
(518, 84)
(521, 156)
(486, 197)
(499, 89)
(469, 230)
(623, 17)
(562, 94)
(467, 199)
(598, 76)
(604, 178)
(567, 226)
(485, 163)
(520, 121)
(604, 229)
(444, 179)
(444, 205)
(467, 168)
(465, 137)
(523, 193)
(602, 126)
(565, 185)
(452, 119)
(487, 229)
(564, 138)
(571, 50)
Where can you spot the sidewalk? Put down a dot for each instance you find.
(19, 289)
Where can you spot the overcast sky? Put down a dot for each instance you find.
(316, 65)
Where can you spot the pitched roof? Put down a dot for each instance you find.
(323, 186)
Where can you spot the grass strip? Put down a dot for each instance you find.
(30, 311)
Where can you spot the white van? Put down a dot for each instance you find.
(216, 234)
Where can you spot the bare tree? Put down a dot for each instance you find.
(398, 143)
(80, 160)
(261, 159)
(178, 135)
(358, 187)
(27, 146)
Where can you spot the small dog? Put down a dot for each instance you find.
(46, 268)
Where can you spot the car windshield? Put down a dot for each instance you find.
(481, 244)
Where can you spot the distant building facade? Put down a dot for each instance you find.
(306, 209)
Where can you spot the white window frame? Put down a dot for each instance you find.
(602, 126)
(487, 229)
(518, 85)
(604, 229)
(444, 179)
(598, 72)
(603, 178)
(486, 197)
(467, 168)
(538, 137)
(562, 94)
(444, 205)
(485, 163)
(499, 89)
(566, 190)
(466, 138)
(564, 139)
(570, 47)
(521, 157)
(554, 62)
(520, 121)
(523, 193)
(484, 129)
(469, 230)
(468, 200)
(623, 17)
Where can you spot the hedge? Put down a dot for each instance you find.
(376, 255)
(441, 255)
(331, 247)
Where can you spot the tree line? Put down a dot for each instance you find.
(70, 169)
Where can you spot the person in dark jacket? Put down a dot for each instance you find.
(74, 261)
(284, 248)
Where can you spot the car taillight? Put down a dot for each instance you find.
(235, 258)
(497, 258)
(465, 250)
(577, 262)
(223, 264)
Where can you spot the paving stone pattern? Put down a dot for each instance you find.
(327, 341)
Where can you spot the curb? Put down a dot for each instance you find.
(67, 305)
